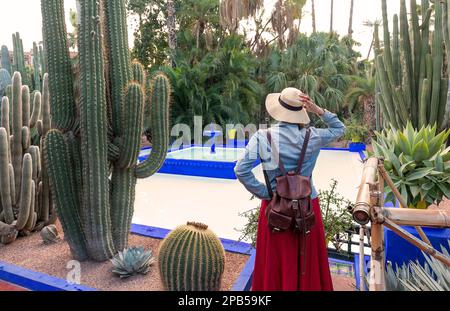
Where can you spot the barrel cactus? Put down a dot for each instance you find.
(92, 152)
(191, 258)
(6, 62)
(412, 75)
(49, 234)
(24, 196)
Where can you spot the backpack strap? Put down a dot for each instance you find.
(275, 152)
(303, 152)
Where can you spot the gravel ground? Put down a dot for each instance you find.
(32, 254)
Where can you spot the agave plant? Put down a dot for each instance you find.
(131, 261)
(417, 162)
(433, 276)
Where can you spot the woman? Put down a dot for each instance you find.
(277, 262)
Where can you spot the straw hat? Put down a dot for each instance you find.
(287, 107)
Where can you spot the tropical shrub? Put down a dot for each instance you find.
(221, 86)
(355, 131)
(335, 216)
(417, 162)
(318, 64)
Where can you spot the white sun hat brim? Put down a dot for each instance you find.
(282, 114)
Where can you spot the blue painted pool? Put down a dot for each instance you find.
(200, 161)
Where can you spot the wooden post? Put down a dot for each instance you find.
(361, 259)
(377, 281)
(362, 207)
(400, 199)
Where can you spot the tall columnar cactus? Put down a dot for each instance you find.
(6, 62)
(22, 180)
(42, 60)
(36, 68)
(19, 57)
(5, 81)
(191, 258)
(91, 156)
(412, 69)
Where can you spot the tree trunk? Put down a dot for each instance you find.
(313, 12)
(350, 22)
(331, 16)
(369, 112)
(171, 24)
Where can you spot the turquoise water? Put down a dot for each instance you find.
(204, 154)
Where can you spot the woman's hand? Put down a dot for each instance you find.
(311, 106)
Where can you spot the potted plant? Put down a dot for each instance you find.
(357, 134)
(418, 163)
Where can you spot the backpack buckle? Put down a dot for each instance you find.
(295, 204)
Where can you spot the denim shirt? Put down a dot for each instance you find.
(288, 138)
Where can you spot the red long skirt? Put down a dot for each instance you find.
(277, 262)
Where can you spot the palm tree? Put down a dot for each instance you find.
(350, 22)
(284, 15)
(361, 96)
(331, 16)
(171, 28)
(233, 11)
(318, 65)
(313, 12)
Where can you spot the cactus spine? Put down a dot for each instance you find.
(100, 145)
(21, 173)
(407, 54)
(191, 258)
(6, 62)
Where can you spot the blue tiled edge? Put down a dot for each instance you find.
(36, 281)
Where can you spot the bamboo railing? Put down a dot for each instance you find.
(369, 207)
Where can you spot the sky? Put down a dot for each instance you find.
(24, 16)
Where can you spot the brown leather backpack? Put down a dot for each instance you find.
(290, 207)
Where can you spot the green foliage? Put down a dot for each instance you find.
(221, 86)
(361, 89)
(417, 162)
(132, 261)
(191, 258)
(335, 215)
(318, 65)
(433, 276)
(150, 38)
(248, 233)
(356, 131)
